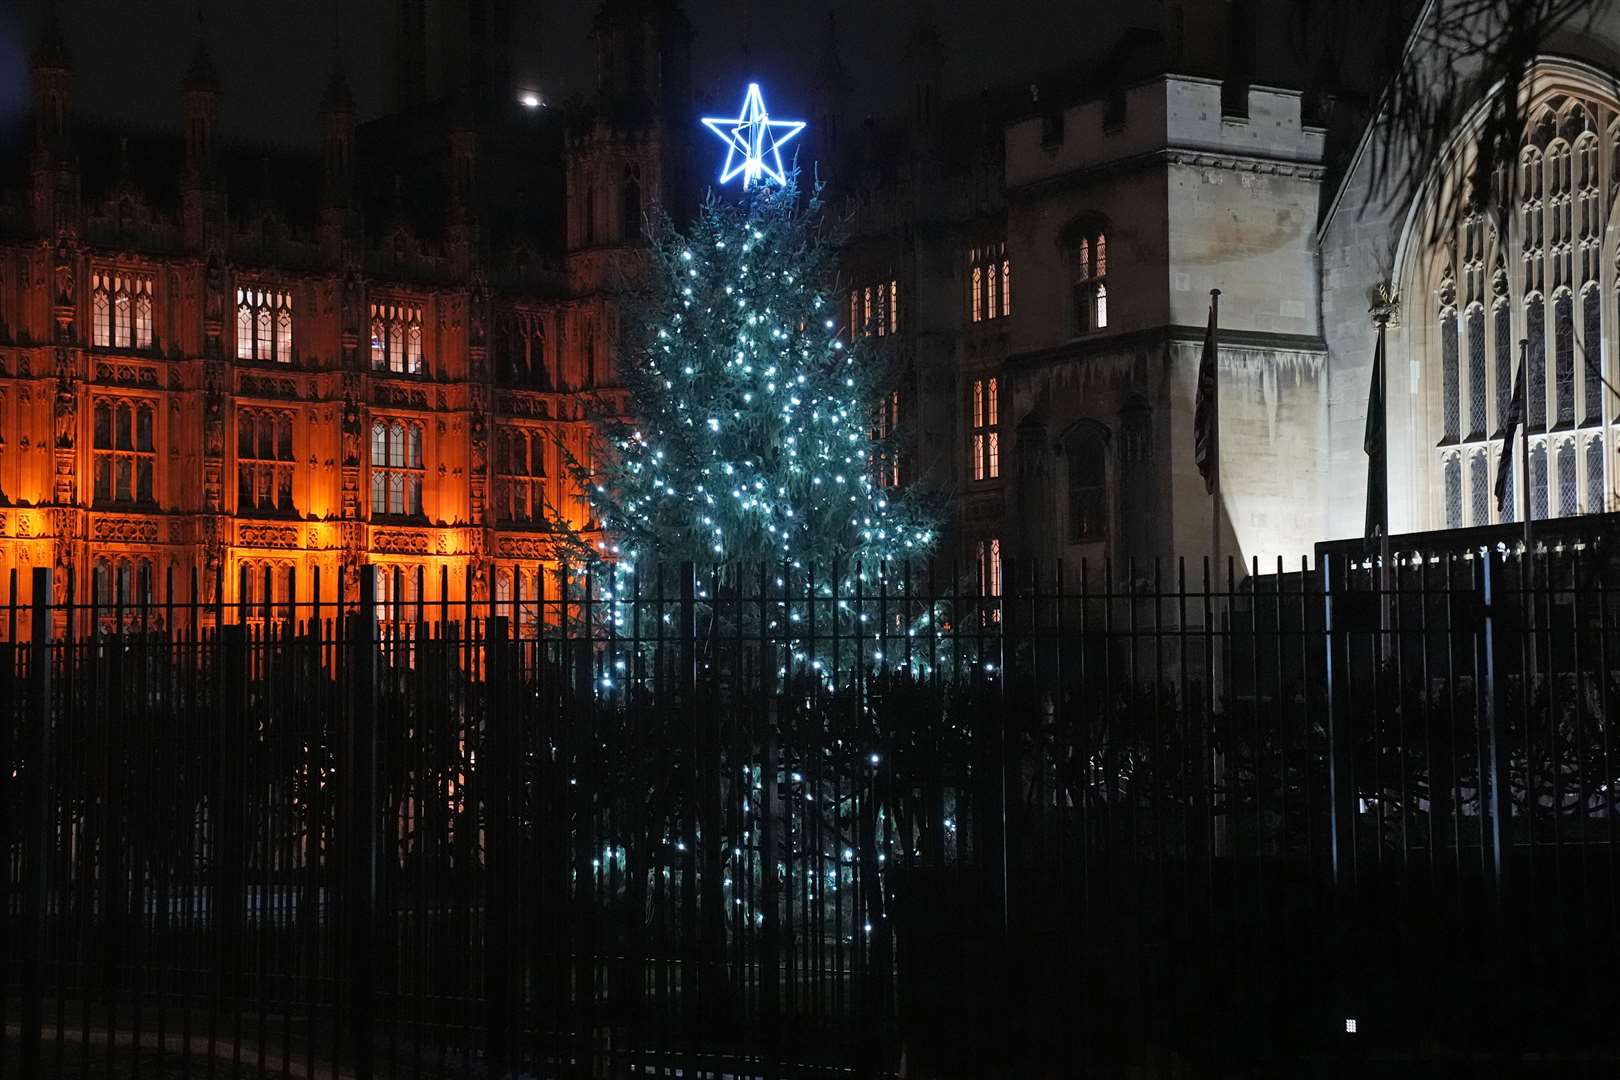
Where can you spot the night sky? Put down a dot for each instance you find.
(274, 55)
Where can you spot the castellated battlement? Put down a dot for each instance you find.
(1167, 113)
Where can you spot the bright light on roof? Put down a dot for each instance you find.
(529, 99)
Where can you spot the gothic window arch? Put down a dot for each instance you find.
(264, 329)
(1453, 490)
(397, 469)
(264, 461)
(1088, 269)
(1530, 269)
(121, 310)
(396, 337)
(124, 446)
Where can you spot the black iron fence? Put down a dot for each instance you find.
(778, 821)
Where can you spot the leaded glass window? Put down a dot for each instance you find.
(1476, 372)
(1454, 502)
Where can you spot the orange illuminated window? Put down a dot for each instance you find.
(989, 282)
(1090, 270)
(520, 475)
(264, 329)
(989, 559)
(888, 456)
(125, 453)
(120, 310)
(875, 309)
(396, 338)
(397, 470)
(264, 461)
(984, 423)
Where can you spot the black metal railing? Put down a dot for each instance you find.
(778, 821)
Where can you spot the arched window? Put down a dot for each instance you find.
(264, 329)
(396, 337)
(1476, 372)
(1538, 481)
(1086, 453)
(503, 593)
(1535, 390)
(101, 310)
(1479, 487)
(1597, 488)
(1567, 479)
(1564, 359)
(101, 582)
(1591, 355)
(1502, 332)
(1454, 503)
(125, 451)
(397, 470)
(1450, 405)
(1089, 267)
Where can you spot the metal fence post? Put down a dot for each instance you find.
(362, 861)
(496, 766)
(686, 685)
(36, 752)
(1341, 823)
(1495, 703)
(230, 837)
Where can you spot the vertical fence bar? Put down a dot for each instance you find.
(361, 881)
(36, 832)
(498, 763)
(1495, 702)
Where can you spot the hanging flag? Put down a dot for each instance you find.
(1373, 442)
(1206, 437)
(1510, 426)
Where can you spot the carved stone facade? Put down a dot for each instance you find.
(253, 407)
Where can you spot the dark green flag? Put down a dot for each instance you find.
(1374, 443)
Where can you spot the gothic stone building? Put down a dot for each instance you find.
(374, 356)
(380, 356)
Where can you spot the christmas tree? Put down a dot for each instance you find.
(749, 439)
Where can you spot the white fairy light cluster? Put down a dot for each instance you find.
(751, 440)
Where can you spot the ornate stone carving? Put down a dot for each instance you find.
(267, 535)
(530, 406)
(523, 547)
(213, 539)
(269, 386)
(409, 397)
(124, 530)
(127, 375)
(396, 542)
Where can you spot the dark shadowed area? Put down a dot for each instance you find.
(274, 56)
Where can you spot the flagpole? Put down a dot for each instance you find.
(1381, 316)
(1215, 429)
(1217, 654)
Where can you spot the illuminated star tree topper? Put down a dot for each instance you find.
(753, 140)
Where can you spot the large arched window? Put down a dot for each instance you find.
(1527, 267)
